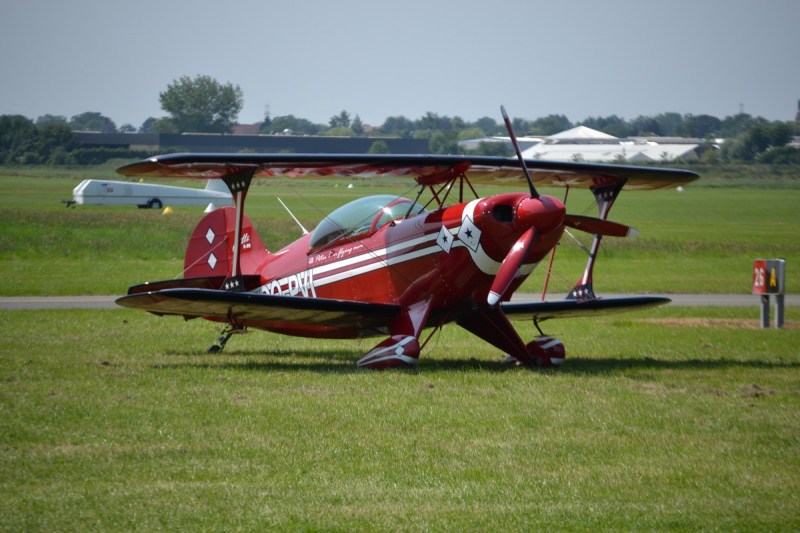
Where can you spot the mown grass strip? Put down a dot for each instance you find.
(115, 420)
(701, 240)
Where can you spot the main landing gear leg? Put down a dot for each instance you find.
(226, 334)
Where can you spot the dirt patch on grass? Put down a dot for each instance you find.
(718, 323)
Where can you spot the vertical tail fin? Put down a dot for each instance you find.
(210, 250)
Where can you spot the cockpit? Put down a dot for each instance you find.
(362, 217)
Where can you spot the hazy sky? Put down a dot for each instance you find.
(375, 58)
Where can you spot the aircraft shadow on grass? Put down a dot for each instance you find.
(342, 363)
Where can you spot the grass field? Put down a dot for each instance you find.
(115, 420)
(673, 419)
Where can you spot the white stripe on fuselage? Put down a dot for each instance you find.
(376, 254)
(304, 282)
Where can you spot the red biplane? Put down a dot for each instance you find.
(389, 266)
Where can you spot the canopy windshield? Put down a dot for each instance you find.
(365, 215)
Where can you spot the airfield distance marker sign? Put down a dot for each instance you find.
(769, 278)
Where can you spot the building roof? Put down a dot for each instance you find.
(581, 132)
(611, 152)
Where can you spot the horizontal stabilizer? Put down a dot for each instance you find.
(209, 282)
(577, 308)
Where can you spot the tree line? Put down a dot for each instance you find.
(203, 105)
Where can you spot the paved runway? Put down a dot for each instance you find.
(107, 302)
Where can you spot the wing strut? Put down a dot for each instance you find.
(239, 184)
(604, 195)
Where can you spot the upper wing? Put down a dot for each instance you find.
(275, 312)
(576, 308)
(425, 169)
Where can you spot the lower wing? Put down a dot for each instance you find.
(286, 314)
(576, 308)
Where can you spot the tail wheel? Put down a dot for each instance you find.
(547, 351)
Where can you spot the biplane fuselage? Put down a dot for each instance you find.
(449, 256)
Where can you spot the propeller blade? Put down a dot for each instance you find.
(513, 137)
(510, 266)
(599, 226)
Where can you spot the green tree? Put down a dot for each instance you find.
(379, 147)
(357, 126)
(149, 125)
(736, 124)
(612, 125)
(520, 125)
(339, 131)
(50, 119)
(165, 125)
(400, 126)
(758, 140)
(489, 126)
(440, 142)
(291, 125)
(646, 126)
(55, 137)
(493, 148)
(471, 133)
(92, 121)
(780, 155)
(668, 123)
(550, 124)
(780, 134)
(434, 122)
(202, 104)
(700, 126)
(18, 137)
(342, 120)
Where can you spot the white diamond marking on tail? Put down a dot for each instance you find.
(210, 236)
(212, 260)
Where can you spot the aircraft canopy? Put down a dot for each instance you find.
(363, 215)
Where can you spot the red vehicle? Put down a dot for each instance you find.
(390, 267)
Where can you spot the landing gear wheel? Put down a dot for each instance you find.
(547, 352)
(214, 348)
